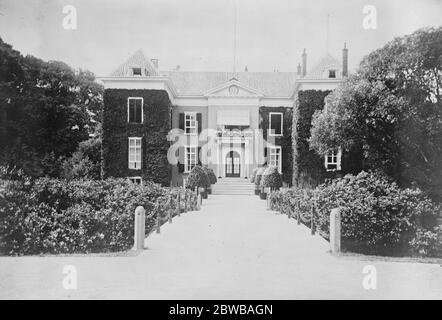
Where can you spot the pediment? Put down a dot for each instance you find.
(233, 88)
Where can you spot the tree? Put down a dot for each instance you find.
(46, 110)
(85, 162)
(391, 110)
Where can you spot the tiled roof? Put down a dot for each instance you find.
(271, 84)
(328, 62)
(275, 84)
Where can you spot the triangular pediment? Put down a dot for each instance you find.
(233, 88)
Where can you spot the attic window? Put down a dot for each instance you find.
(136, 71)
(332, 73)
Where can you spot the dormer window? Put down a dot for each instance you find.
(136, 72)
(332, 73)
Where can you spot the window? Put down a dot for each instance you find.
(136, 71)
(190, 123)
(135, 153)
(189, 158)
(275, 157)
(135, 112)
(275, 124)
(136, 180)
(333, 160)
(332, 73)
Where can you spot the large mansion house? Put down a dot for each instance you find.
(143, 103)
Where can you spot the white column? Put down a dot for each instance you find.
(218, 159)
(243, 167)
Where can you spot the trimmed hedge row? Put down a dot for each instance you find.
(377, 216)
(77, 216)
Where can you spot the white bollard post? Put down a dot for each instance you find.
(139, 228)
(335, 230)
(198, 202)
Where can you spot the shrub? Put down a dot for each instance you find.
(60, 216)
(210, 174)
(258, 176)
(253, 175)
(85, 162)
(377, 216)
(197, 178)
(271, 178)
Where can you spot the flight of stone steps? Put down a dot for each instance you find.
(233, 186)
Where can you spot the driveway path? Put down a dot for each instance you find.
(232, 249)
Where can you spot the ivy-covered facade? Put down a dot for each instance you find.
(158, 125)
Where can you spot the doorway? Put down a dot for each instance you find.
(233, 164)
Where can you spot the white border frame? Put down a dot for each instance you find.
(270, 124)
(338, 160)
(136, 177)
(142, 108)
(128, 152)
(185, 156)
(193, 113)
(280, 157)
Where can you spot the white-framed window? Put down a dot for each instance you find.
(332, 73)
(275, 157)
(275, 123)
(190, 123)
(190, 158)
(135, 113)
(137, 71)
(332, 160)
(137, 180)
(135, 153)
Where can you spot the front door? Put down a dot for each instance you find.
(233, 166)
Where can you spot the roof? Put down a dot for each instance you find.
(273, 84)
(325, 63)
(276, 84)
(138, 60)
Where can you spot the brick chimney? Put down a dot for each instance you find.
(304, 63)
(299, 69)
(345, 61)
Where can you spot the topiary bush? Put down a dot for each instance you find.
(258, 177)
(271, 178)
(253, 175)
(76, 216)
(211, 175)
(198, 178)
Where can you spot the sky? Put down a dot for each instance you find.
(198, 35)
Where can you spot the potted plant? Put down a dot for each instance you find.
(257, 180)
(253, 175)
(271, 180)
(198, 179)
(212, 178)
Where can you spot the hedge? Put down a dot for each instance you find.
(76, 216)
(116, 131)
(377, 216)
